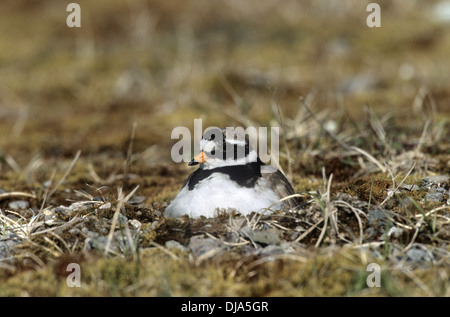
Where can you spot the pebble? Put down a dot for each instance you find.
(437, 197)
(263, 237)
(79, 206)
(232, 237)
(434, 180)
(19, 204)
(377, 217)
(441, 11)
(395, 231)
(136, 200)
(154, 225)
(62, 210)
(99, 242)
(406, 202)
(47, 184)
(74, 231)
(48, 215)
(417, 255)
(105, 206)
(199, 245)
(172, 244)
(411, 188)
(7, 242)
(270, 250)
(136, 224)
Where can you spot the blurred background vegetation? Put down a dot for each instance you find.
(163, 63)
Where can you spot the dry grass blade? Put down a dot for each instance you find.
(16, 194)
(324, 228)
(75, 159)
(121, 201)
(391, 192)
(62, 241)
(304, 234)
(257, 217)
(355, 211)
(370, 157)
(59, 250)
(46, 195)
(114, 222)
(129, 152)
(326, 211)
(416, 232)
(281, 123)
(433, 211)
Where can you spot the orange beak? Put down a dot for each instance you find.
(198, 159)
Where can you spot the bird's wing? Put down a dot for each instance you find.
(281, 186)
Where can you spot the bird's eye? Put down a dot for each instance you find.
(212, 137)
(213, 152)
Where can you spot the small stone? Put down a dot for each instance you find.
(417, 255)
(263, 237)
(294, 235)
(370, 233)
(74, 231)
(19, 204)
(287, 247)
(136, 224)
(270, 250)
(79, 206)
(105, 206)
(136, 200)
(7, 243)
(200, 246)
(434, 180)
(406, 202)
(47, 184)
(437, 197)
(394, 231)
(122, 218)
(97, 242)
(377, 217)
(411, 188)
(48, 215)
(247, 249)
(440, 190)
(63, 210)
(172, 244)
(232, 237)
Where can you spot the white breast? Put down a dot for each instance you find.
(218, 192)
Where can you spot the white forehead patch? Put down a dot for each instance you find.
(236, 141)
(206, 145)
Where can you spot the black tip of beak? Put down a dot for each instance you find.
(193, 162)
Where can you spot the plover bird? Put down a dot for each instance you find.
(230, 177)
